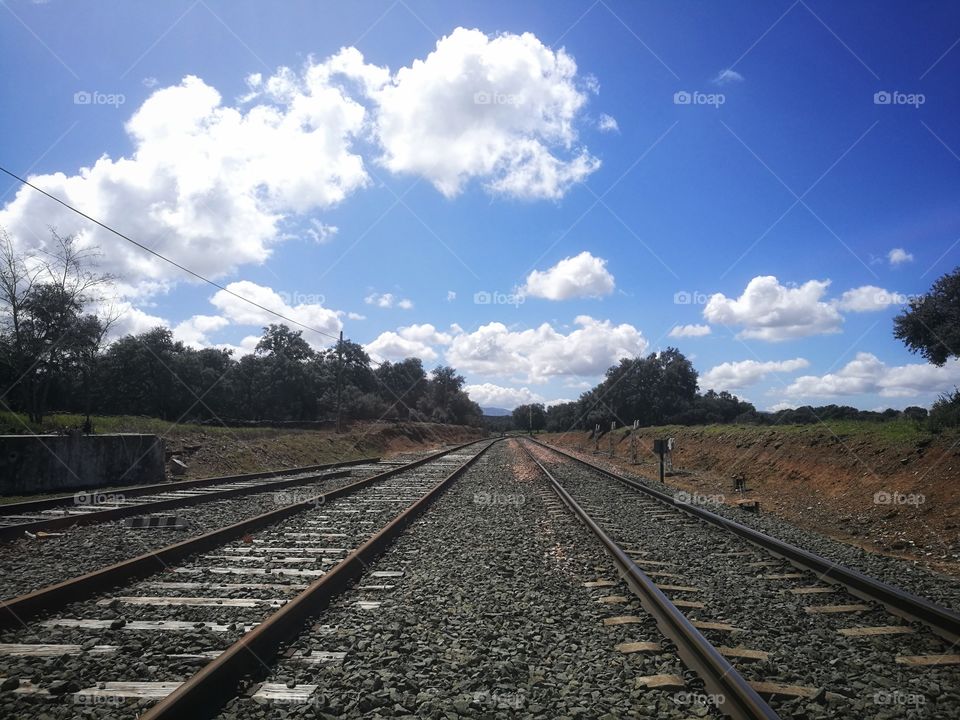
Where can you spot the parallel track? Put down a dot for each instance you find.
(264, 612)
(85, 508)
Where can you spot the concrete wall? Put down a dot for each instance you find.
(58, 463)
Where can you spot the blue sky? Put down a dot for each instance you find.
(549, 138)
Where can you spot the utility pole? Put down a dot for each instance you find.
(339, 376)
(530, 421)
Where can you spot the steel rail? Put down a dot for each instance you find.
(734, 694)
(10, 532)
(138, 490)
(206, 692)
(16, 611)
(943, 621)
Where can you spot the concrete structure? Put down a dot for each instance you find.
(58, 463)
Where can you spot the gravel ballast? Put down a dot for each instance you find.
(742, 586)
(28, 564)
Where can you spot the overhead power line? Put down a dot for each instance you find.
(166, 259)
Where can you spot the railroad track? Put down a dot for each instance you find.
(771, 630)
(106, 504)
(116, 641)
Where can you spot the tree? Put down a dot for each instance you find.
(931, 325)
(530, 417)
(45, 334)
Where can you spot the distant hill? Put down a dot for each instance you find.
(494, 411)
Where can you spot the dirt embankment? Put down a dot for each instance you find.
(896, 495)
(230, 453)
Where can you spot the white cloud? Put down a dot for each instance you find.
(321, 233)
(776, 407)
(770, 311)
(129, 320)
(451, 296)
(491, 395)
(869, 298)
(387, 300)
(313, 315)
(607, 123)
(408, 341)
(247, 346)
(580, 276)
(899, 256)
(867, 374)
(206, 183)
(498, 109)
(195, 330)
(736, 375)
(680, 331)
(356, 316)
(541, 353)
(728, 76)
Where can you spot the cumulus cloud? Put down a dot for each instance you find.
(491, 395)
(867, 374)
(580, 276)
(869, 298)
(736, 375)
(451, 296)
(129, 320)
(206, 183)
(194, 331)
(388, 300)
(727, 77)
(408, 341)
(899, 256)
(499, 109)
(680, 331)
(215, 185)
(355, 316)
(321, 233)
(608, 123)
(239, 312)
(770, 311)
(541, 353)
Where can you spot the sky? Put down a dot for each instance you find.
(525, 191)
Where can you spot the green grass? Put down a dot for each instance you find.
(18, 424)
(893, 431)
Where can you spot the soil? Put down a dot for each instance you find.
(220, 453)
(892, 496)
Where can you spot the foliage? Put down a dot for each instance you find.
(931, 325)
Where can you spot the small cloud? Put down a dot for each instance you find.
(608, 123)
(321, 233)
(388, 300)
(356, 316)
(899, 256)
(690, 331)
(150, 82)
(451, 296)
(727, 77)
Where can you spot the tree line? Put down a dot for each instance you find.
(53, 354)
